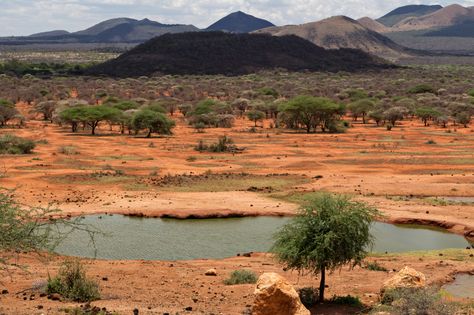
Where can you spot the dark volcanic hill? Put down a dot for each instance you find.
(239, 22)
(401, 13)
(231, 54)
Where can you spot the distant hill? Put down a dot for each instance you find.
(373, 25)
(140, 31)
(105, 25)
(231, 54)
(465, 29)
(448, 16)
(51, 33)
(239, 22)
(342, 32)
(401, 13)
(120, 30)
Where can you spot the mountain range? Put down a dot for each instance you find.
(394, 35)
(126, 30)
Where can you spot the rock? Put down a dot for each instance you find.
(274, 295)
(55, 297)
(405, 278)
(211, 272)
(5, 291)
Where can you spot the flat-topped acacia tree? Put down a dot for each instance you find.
(329, 232)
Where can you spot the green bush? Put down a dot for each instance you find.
(224, 144)
(309, 296)
(422, 88)
(72, 283)
(10, 144)
(346, 300)
(241, 277)
(374, 266)
(406, 301)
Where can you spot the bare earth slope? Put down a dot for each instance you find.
(450, 15)
(342, 32)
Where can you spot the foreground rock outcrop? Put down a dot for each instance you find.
(274, 295)
(405, 278)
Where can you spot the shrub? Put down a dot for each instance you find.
(68, 150)
(241, 277)
(346, 300)
(374, 266)
(224, 144)
(422, 88)
(309, 296)
(406, 301)
(10, 144)
(72, 283)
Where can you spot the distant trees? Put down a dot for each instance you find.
(46, 109)
(152, 121)
(255, 116)
(89, 115)
(7, 111)
(211, 113)
(310, 113)
(361, 108)
(426, 114)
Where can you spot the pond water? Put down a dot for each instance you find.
(462, 286)
(169, 239)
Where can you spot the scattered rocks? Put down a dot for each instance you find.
(211, 272)
(405, 278)
(274, 295)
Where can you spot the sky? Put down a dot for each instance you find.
(25, 17)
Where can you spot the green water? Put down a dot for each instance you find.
(462, 286)
(168, 239)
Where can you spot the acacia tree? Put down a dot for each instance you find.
(255, 116)
(7, 111)
(361, 108)
(329, 232)
(154, 122)
(310, 112)
(426, 114)
(26, 229)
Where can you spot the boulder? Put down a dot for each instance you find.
(405, 278)
(274, 295)
(211, 272)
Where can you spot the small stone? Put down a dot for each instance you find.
(55, 297)
(5, 291)
(211, 272)
(105, 279)
(135, 311)
(188, 309)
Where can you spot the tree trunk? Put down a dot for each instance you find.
(149, 134)
(322, 284)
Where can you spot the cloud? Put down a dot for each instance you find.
(24, 17)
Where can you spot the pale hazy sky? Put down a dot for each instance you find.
(24, 17)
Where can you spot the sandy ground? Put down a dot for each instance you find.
(170, 287)
(397, 171)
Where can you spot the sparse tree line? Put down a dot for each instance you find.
(148, 105)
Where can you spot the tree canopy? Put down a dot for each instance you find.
(329, 232)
